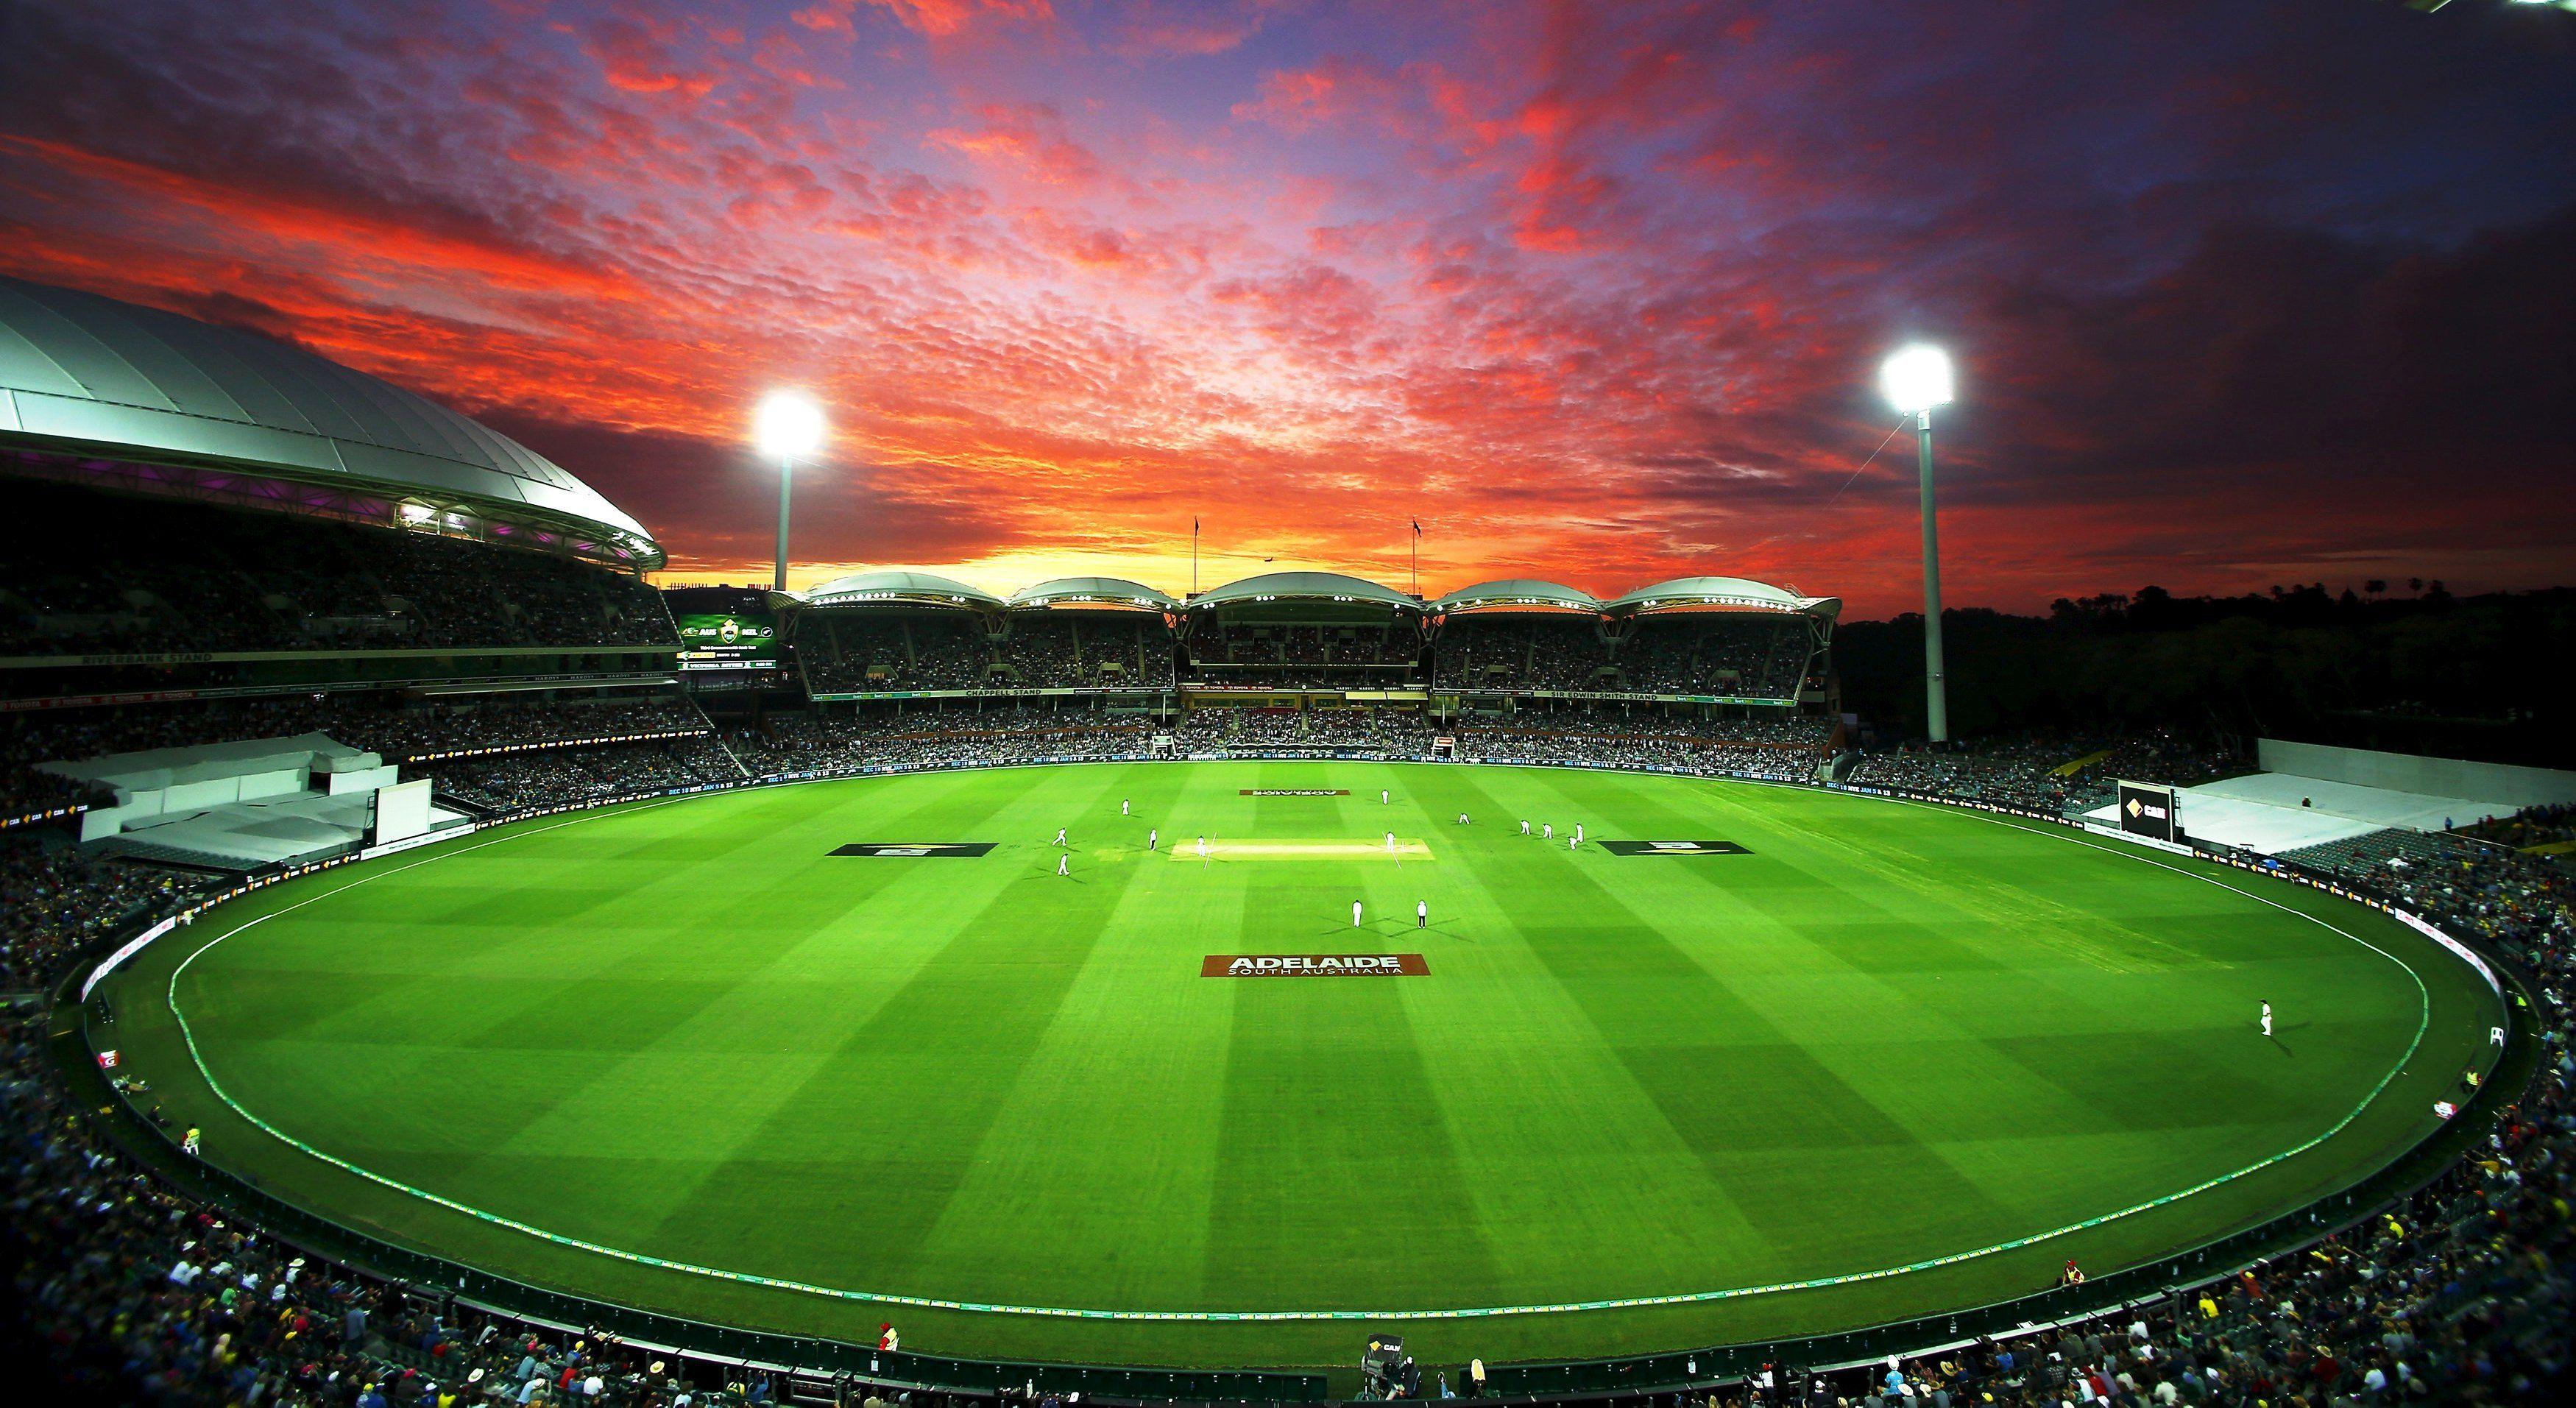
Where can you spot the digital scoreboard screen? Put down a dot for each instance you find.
(737, 640)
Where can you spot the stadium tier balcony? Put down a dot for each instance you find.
(1723, 654)
(164, 576)
(1521, 654)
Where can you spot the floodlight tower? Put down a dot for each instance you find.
(1916, 379)
(786, 427)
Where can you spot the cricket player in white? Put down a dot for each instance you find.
(1203, 850)
(1390, 843)
(1578, 833)
(1525, 826)
(1355, 914)
(2267, 1019)
(1547, 830)
(1062, 863)
(1059, 835)
(1573, 841)
(1122, 806)
(1381, 796)
(1153, 837)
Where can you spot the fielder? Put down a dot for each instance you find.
(1525, 826)
(1355, 914)
(1578, 833)
(1203, 850)
(1062, 864)
(1381, 796)
(2267, 1019)
(1059, 836)
(1390, 843)
(189, 1145)
(1547, 830)
(1122, 806)
(1153, 837)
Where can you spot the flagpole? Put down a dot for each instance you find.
(1194, 557)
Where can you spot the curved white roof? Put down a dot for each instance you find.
(1305, 586)
(1094, 591)
(1740, 592)
(92, 375)
(900, 586)
(1508, 592)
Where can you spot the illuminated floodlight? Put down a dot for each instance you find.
(1916, 378)
(788, 425)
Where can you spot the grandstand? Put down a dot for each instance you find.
(1722, 640)
(1284, 632)
(289, 587)
(1521, 637)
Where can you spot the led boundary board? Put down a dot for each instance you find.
(727, 640)
(2152, 810)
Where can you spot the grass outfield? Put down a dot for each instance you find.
(1885, 1033)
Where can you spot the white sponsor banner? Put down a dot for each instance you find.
(447, 833)
(2466, 954)
(2152, 843)
(131, 947)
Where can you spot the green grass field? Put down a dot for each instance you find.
(1886, 1033)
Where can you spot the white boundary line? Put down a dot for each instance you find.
(2423, 1025)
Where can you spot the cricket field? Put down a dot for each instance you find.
(767, 1057)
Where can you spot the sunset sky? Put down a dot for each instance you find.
(2241, 292)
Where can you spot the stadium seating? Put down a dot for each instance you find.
(179, 576)
(1511, 653)
(1096, 651)
(850, 652)
(1741, 655)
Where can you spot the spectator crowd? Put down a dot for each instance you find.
(186, 577)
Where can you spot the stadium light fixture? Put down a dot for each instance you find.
(788, 426)
(1916, 379)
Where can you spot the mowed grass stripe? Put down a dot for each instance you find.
(744, 1053)
(2081, 1059)
(1107, 1139)
(878, 1137)
(1521, 1066)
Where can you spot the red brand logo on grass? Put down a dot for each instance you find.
(1313, 965)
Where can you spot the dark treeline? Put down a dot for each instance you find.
(2416, 670)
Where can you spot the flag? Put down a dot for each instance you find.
(1417, 527)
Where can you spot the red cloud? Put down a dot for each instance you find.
(941, 19)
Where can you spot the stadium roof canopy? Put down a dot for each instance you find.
(1095, 593)
(896, 587)
(1517, 594)
(1721, 593)
(1327, 588)
(91, 376)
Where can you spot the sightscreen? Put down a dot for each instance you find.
(2150, 810)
